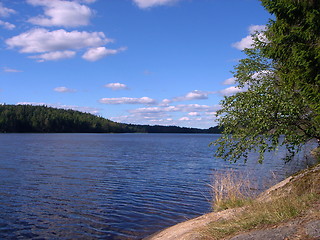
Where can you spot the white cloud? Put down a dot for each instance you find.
(51, 56)
(61, 13)
(184, 119)
(196, 94)
(94, 54)
(177, 108)
(153, 3)
(127, 100)
(87, 1)
(5, 12)
(116, 86)
(153, 120)
(244, 43)
(197, 108)
(165, 102)
(262, 74)
(42, 40)
(11, 70)
(247, 41)
(154, 110)
(7, 25)
(63, 89)
(193, 114)
(257, 28)
(172, 115)
(229, 81)
(230, 91)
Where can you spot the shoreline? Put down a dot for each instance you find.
(192, 229)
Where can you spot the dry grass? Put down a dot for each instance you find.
(316, 153)
(230, 189)
(287, 203)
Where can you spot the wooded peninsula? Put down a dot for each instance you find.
(44, 119)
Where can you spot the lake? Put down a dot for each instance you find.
(111, 186)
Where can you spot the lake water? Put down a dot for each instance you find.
(110, 186)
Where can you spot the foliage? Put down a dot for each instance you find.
(27, 118)
(42, 119)
(281, 82)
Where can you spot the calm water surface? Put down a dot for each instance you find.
(109, 186)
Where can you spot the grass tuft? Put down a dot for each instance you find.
(230, 189)
(287, 203)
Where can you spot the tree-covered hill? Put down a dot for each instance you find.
(43, 119)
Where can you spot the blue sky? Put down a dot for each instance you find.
(163, 62)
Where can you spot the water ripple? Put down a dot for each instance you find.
(106, 186)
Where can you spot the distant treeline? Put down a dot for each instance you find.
(43, 119)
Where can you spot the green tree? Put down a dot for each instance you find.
(281, 81)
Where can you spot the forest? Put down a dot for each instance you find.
(44, 119)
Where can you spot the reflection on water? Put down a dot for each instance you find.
(110, 186)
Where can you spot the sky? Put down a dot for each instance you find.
(156, 62)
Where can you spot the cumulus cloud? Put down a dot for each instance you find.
(196, 94)
(127, 100)
(116, 86)
(177, 108)
(42, 40)
(262, 74)
(229, 81)
(247, 41)
(230, 91)
(7, 25)
(165, 102)
(61, 13)
(197, 108)
(86, 1)
(54, 56)
(5, 12)
(154, 110)
(193, 114)
(94, 54)
(166, 121)
(63, 89)
(153, 120)
(184, 119)
(153, 3)
(60, 44)
(244, 43)
(172, 115)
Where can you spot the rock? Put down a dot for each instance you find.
(313, 229)
(279, 233)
